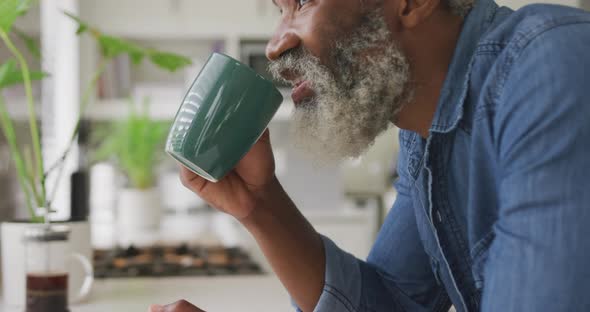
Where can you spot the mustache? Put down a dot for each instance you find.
(294, 63)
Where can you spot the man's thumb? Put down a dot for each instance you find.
(156, 308)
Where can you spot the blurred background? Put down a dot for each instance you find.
(344, 201)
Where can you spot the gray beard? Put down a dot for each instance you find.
(355, 99)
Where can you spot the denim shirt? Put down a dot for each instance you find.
(493, 209)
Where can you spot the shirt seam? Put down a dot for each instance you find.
(518, 45)
(340, 297)
(481, 245)
(452, 231)
(445, 262)
(490, 48)
(442, 301)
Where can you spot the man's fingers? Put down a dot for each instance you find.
(191, 180)
(156, 308)
(178, 306)
(184, 306)
(265, 137)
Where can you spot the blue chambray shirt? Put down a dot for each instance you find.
(493, 209)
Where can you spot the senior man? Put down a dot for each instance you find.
(493, 206)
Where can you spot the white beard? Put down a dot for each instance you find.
(356, 100)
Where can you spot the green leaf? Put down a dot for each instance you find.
(10, 10)
(169, 61)
(136, 58)
(5, 70)
(18, 78)
(30, 43)
(8, 130)
(82, 26)
(11, 75)
(114, 46)
(81, 29)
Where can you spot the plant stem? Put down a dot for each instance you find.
(32, 115)
(31, 172)
(9, 133)
(60, 163)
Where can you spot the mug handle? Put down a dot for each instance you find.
(88, 280)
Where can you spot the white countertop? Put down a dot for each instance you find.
(212, 294)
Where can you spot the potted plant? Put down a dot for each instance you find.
(135, 145)
(32, 172)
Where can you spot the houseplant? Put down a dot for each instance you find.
(32, 172)
(135, 144)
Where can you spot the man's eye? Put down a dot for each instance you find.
(303, 2)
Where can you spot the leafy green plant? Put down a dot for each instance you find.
(30, 166)
(135, 144)
(31, 176)
(114, 46)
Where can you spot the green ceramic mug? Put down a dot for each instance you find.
(223, 114)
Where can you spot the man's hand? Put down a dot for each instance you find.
(243, 188)
(252, 194)
(178, 306)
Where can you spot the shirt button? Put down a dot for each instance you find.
(435, 271)
(439, 216)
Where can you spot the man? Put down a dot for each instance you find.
(493, 207)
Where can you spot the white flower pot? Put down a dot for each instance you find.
(13, 261)
(138, 217)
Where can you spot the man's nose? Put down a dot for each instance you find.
(283, 41)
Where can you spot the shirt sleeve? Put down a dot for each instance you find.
(397, 275)
(539, 258)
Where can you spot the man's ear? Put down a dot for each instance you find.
(411, 13)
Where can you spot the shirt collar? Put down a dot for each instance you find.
(450, 109)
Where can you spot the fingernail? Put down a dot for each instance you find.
(156, 308)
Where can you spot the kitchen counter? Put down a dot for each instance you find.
(213, 294)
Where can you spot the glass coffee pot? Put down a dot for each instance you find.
(48, 258)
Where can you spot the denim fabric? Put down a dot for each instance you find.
(493, 210)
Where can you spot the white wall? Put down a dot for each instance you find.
(181, 18)
(516, 4)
